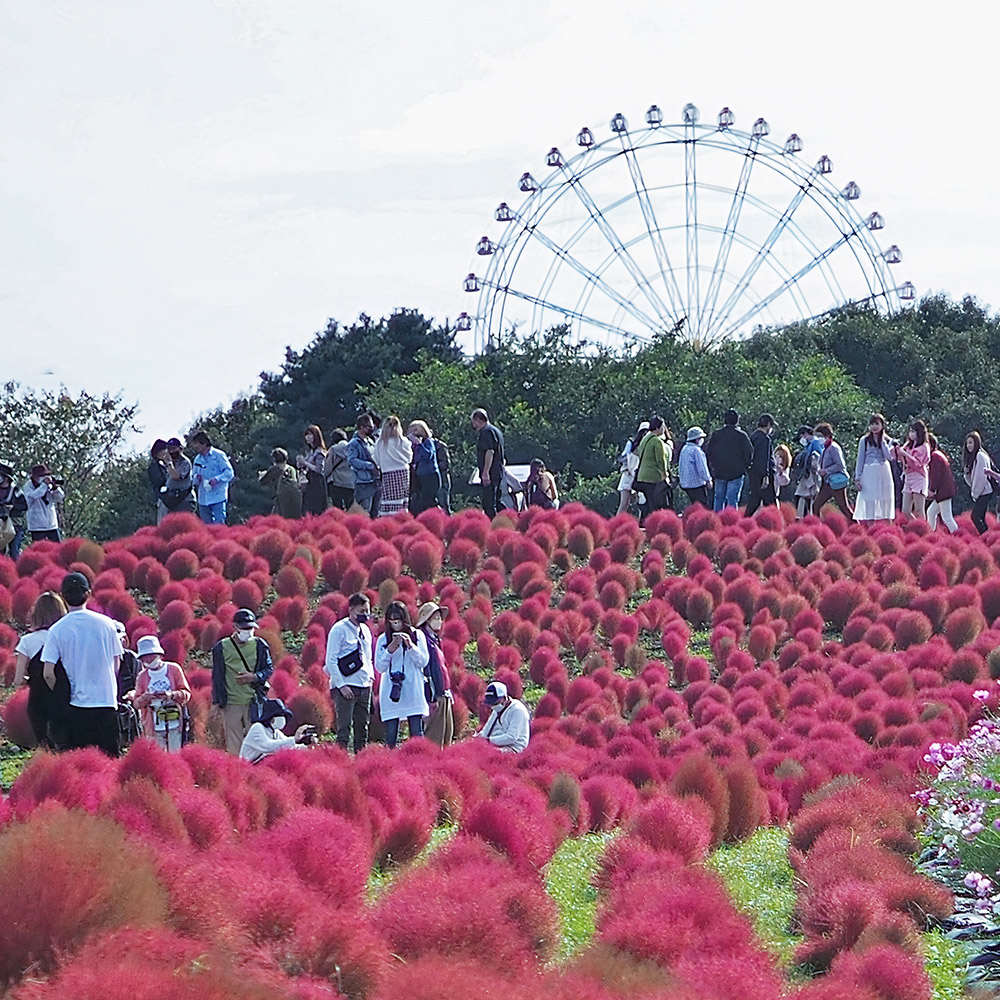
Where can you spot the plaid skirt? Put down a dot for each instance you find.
(395, 492)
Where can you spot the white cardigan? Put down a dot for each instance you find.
(393, 454)
(412, 699)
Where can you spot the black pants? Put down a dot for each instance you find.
(491, 495)
(43, 536)
(698, 494)
(392, 729)
(760, 494)
(93, 727)
(444, 494)
(353, 713)
(654, 497)
(426, 495)
(979, 508)
(341, 496)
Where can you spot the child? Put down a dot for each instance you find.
(161, 692)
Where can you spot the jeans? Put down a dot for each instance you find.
(14, 549)
(353, 713)
(979, 508)
(213, 513)
(366, 495)
(727, 492)
(392, 729)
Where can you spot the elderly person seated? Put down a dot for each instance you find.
(509, 724)
(265, 737)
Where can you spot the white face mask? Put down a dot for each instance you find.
(244, 634)
(803, 440)
(278, 723)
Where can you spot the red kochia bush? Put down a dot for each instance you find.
(182, 564)
(963, 625)
(311, 707)
(69, 865)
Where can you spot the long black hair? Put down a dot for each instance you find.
(397, 609)
(969, 457)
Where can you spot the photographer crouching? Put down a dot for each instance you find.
(265, 737)
(44, 493)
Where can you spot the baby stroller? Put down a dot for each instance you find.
(171, 724)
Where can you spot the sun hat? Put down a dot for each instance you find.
(695, 434)
(427, 612)
(496, 691)
(148, 644)
(272, 708)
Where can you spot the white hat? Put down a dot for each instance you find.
(695, 434)
(148, 644)
(496, 691)
(644, 426)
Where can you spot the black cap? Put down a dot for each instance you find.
(174, 443)
(6, 470)
(804, 429)
(75, 588)
(244, 617)
(731, 417)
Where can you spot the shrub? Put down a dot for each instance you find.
(913, 629)
(69, 865)
(310, 707)
(182, 564)
(246, 594)
(963, 626)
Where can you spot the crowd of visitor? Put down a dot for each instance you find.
(731, 468)
(86, 688)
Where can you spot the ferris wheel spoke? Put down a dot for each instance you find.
(732, 223)
(593, 278)
(765, 248)
(691, 227)
(618, 247)
(652, 227)
(571, 313)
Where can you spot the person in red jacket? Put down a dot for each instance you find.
(940, 488)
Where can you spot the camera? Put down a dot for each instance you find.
(309, 737)
(55, 481)
(396, 691)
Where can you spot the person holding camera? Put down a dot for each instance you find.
(13, 507)
(44, 493)
(401, 657)
(266, 737)
(349, 667)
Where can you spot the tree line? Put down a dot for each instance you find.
(571, 405)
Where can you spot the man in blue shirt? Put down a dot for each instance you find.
(212, 475)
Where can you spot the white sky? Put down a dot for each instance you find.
(187, 187)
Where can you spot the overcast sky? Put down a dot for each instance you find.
(187, 187)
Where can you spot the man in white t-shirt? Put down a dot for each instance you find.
(87, 645)
(349, 667)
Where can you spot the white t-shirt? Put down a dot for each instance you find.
(32, 643)
(159, 679)
(87, 643)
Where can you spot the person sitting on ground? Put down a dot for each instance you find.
(540, 487)
(266, 737)
(509, 724)
(281, 477)
(692, 468)
(161, 692)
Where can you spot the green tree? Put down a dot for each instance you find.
(81, 438)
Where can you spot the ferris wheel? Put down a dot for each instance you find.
(700, 231)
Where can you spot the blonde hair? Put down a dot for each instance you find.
(48, 609)
(391, 427)
(420, 428)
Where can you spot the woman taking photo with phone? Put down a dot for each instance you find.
(401, 658)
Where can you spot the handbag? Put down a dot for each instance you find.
(350, 663)
(838, 480)
(7, 532)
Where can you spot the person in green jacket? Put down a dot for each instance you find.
(655, 453)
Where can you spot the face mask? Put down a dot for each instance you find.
(244, 634)
(803, 441)
(362, 616)
(278, 723)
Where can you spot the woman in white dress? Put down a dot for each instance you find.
(629, 462)
(873, 474)
(401, 657)
(393, 455)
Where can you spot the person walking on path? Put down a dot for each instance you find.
(940, 488)
(873, 474)
(979, 475)
(87, 645)
(760, 477)
(692, 468)
(805, 470)
(241, 666)
(833, 472)
(213, 473)
(349, 666)
(651, 472)
(491, 459)
(729, 455)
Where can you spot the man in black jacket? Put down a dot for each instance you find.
(760, 482)
(729, 456)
